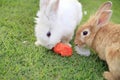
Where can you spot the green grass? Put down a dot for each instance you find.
(20, 59)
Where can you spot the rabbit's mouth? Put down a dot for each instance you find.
(82, 50)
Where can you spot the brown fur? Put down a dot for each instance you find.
(104, 38)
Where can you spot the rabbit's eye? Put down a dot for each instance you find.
(85, 33)
(48, 34)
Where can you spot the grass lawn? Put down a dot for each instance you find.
(20, 59)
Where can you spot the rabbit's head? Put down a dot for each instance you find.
(45, 20)
(86, 33)
(47, 37)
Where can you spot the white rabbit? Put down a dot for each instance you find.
(56, 21)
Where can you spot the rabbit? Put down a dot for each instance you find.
(103, 36)
(56, 21)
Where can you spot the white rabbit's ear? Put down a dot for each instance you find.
(44, 3)
(105, 6)
(53, 7)
(103, 18)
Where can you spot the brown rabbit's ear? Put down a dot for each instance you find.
(105, 6)
(103, 18)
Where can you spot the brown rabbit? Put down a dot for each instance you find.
(104, 37)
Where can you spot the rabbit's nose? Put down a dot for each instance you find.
(76, 43)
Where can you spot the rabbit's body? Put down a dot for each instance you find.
(108, 49)
(111, 37)
(104, 37)
(59, 19)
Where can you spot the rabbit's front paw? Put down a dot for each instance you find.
(108, 75)
(37, 43)
(68, 44)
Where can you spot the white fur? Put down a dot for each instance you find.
(60, 23)
(82, 51)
